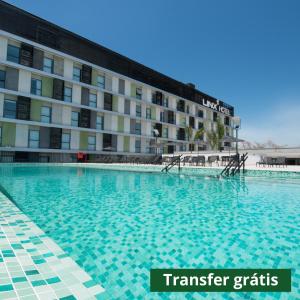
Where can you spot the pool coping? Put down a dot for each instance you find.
(33, 266)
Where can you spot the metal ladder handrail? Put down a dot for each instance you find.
(172, 163)
(228, 166)
(231, 169)
(240, 164)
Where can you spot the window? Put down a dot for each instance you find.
(200, 125)
(215, 116)
(227, 121)
(76, 73)
(187, 109)
(162, 116)
(2, 79)
(165, 132)
(36, 87)
(138, 110)
(100, 122)
(75, 119)
(0, 136)
(13, 53)
(148, 113)
(92, 143)
(67, 94)
(9, 110)
(45, 114)
(101, 81)
(138, 146)
(34, 138)
(138, 128)
(180, 105)
(48, 65)
(165, 101)
(65, 141)
(138, 93)
(92, 100)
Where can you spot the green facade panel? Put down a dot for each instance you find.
(47, 87)
(35, 110)
(153, 113)
(115, 103)
(133, 90)
(120, 124)
(126, 143)
(94, 77)
(8, 134)
(84, 140)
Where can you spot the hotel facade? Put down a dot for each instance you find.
(61, 94)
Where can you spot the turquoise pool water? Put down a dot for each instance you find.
(118, 225)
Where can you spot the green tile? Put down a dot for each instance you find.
(32, 272)
(38, 282)
(89, 283)
(6, 288)
(53, 280)
(19, 279)
(71, 297)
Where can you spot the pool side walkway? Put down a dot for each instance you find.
(33, 266)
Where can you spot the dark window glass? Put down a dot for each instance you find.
(36, 87)
(13, 54)
(215, 116)
(45, 114)
(100, 122)
(9, 110)
(65, 141)
(137, 128)
(75, 118)
(200, 113)
(68, 94)
(138, 93)
(34, 138)
(76, 74)
(138, 146)
(2, 79)
(48, 65)
(138, 111)
(148, 113)
(92, 100)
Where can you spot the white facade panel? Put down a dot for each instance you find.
(115, 84)
(114, 123)
(121, 105)
(56, 113)
(76, 94)
(68, 68)
(107, 122)
(66, 115)
(24, 84)
(21, 135)
(120, 143)
(100, 100)
(126, 125)
(127, 88)
(75, 139)
(132, 144)
(99, 141)
(132, 108)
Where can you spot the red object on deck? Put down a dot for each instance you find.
(81, 156)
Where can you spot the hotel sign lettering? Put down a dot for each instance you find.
(216, 106)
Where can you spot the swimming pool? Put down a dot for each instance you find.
(117, 225)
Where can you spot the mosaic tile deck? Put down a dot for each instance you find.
(32, 266)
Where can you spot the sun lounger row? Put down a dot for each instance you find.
(267, 161)
(200, 160)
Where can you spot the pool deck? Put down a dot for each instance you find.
(33, 266)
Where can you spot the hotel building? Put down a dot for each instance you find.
(61, 94)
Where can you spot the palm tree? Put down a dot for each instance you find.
(215, 137)
(189, 132)
(199, 136)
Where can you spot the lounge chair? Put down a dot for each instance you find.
(225, 160)
(213, 159)
(186, 159)
(280, 161)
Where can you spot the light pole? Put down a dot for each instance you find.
(236, 125)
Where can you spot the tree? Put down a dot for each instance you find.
(199, 135)
(189, 133)
(216, 136)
